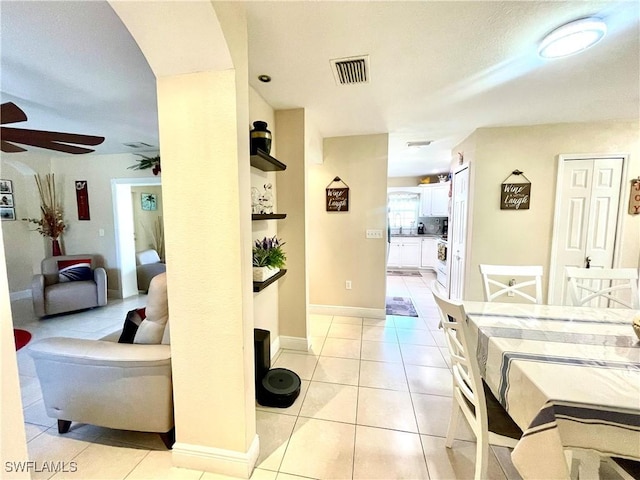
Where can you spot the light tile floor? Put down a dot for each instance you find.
(375, 404)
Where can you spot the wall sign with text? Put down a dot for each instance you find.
(337, 198)
(634, 197)
(515, 196)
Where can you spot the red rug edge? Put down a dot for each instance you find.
(21, 338)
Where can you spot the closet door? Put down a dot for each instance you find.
(586, 218)
(458, 239)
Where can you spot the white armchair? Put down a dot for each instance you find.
(115, 385)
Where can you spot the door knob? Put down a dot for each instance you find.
(588, 262)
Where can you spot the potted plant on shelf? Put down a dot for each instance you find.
(268, 258)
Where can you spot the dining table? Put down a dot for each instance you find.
(568, 376)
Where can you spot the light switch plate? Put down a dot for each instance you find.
(374, 233)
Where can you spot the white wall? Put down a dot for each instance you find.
(144, 221)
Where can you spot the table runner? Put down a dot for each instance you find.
(568, 376)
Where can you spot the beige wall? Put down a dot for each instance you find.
(24, 247)
(81, 236)
(524, 237)
(291, 185)
(338, 249)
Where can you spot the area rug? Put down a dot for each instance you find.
(21, 338)
(401, 306)
(403, 273)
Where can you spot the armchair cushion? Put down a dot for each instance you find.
(74, 270)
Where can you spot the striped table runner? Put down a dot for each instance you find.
(568, 376)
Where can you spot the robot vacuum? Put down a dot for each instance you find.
(275, 387)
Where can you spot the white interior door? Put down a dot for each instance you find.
(586, 218)
(458, 238)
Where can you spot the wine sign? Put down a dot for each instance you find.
(337, 198)
(515, 196)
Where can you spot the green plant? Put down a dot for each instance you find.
(268, 253)
(147, 162)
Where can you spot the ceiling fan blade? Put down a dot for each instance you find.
(11, 113)
(10, 147)
(51, 140)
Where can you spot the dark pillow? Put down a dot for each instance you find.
(131, 323)
(74, 270)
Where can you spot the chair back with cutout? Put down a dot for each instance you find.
(604, 287)
(523, 281)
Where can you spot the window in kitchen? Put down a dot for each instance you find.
(403, 211)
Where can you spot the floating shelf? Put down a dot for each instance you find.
(268, 216)
(259, 286)
(265, 162)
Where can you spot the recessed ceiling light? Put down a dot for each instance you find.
(572, 38)
(264, 78)
(422, 143)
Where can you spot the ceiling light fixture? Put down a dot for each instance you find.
(423, 143)
(264, 78)
(572, 37)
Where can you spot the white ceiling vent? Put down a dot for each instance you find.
(351, 70)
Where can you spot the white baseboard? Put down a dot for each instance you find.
(216, 460)
(294, 343)
(13, 296)
(380, 313)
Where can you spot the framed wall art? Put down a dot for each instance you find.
(6, 186)
(149, 201)
(7, 213)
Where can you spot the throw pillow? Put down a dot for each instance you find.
(74, 270)
(131, 323)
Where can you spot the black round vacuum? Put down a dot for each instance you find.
(277, 387)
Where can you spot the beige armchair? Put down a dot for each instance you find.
(125, 386)
(63, 287)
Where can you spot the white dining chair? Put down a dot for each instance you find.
(488, 420)
(512, 280)
(603, 287)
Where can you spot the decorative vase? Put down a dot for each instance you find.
(260, 138)
(260, 274)
(56, 251)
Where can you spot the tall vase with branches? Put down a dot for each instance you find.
(51, 222)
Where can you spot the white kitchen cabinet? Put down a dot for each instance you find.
(429, 252)
(434, 200)
(405, 252)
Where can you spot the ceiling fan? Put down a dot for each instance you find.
(61, 142)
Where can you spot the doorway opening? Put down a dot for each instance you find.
(126, 216)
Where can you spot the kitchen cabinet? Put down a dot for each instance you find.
(405, 252)
(434, 200)
(429, 250)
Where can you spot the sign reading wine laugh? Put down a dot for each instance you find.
(515, 196)
(337, 198)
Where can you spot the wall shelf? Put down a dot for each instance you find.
(265, 162)
(259, 286)
(268, 216)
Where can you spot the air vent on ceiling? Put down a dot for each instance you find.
(138, 145)
(351, 70)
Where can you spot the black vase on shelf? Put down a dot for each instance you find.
(260, 138)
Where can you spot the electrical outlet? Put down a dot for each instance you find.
(512, 282)
(347, 284)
